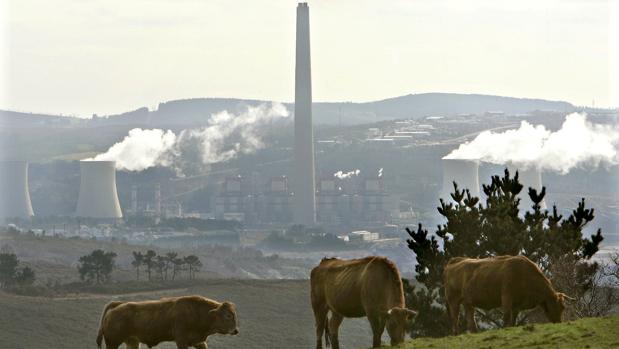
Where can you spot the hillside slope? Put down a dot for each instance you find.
(196, 111)
(272, 314)
(593, 333)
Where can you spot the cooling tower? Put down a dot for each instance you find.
(528, 177)
(463, 172)
(303, 181)
(98, 197)
(14, 193)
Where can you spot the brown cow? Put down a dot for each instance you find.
(188, 321)
(513, 283)
(369, 287)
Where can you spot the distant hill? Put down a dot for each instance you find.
(193, 112)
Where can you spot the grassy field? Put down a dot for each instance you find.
(55, 260)
(272, 314)
(593, 333)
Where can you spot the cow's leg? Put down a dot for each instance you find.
(514, 316)
(377, 322)
(334, 327)
(454, 315)
(320, 317)
(132, 343)
(506, 304)
(182, 345)
(469, 311)
(112, 345)
(201, 345)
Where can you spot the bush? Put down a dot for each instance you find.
(10, 273)
(96, 266)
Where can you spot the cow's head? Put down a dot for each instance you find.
(398, 321)
(225, 321)
(555, 306)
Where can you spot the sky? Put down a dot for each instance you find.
(80, 57)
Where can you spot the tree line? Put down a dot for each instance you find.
(97, 266)
(165, 267)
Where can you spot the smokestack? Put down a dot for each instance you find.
(134, 199)
(158, 200)
(304, 186)
(14, 193)
(530, 177)
(98, 197)
(464, 172)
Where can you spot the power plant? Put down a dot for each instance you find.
(529, 177)
(14, 193)
(304, 179)
(464, 172)
(98, 197)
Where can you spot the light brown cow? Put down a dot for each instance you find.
(369, 287)
(513, 283)
(188, 321)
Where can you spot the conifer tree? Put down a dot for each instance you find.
(477, 230)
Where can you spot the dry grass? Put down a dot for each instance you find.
(273, 314)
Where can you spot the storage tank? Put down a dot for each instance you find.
(464, 172)
(14, 193)
(98, 197)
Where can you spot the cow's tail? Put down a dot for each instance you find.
(327, 334)
(108, 307)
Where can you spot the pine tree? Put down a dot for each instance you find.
(138, 261)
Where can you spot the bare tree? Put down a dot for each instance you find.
(592, 284)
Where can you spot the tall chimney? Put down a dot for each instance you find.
(304, 186)
(134, 199)
(158, 200)
(14, 193)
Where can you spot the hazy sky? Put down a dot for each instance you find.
(108, 56)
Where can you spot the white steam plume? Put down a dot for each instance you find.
(225, 136)
(343, 175)
(579, 143)
(140, 149)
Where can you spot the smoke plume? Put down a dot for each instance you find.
(343, 175)
(226, 136)
(578, 143)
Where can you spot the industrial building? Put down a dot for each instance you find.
(271, 201)
(277, 200)
(232, 202)
(14, 191)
